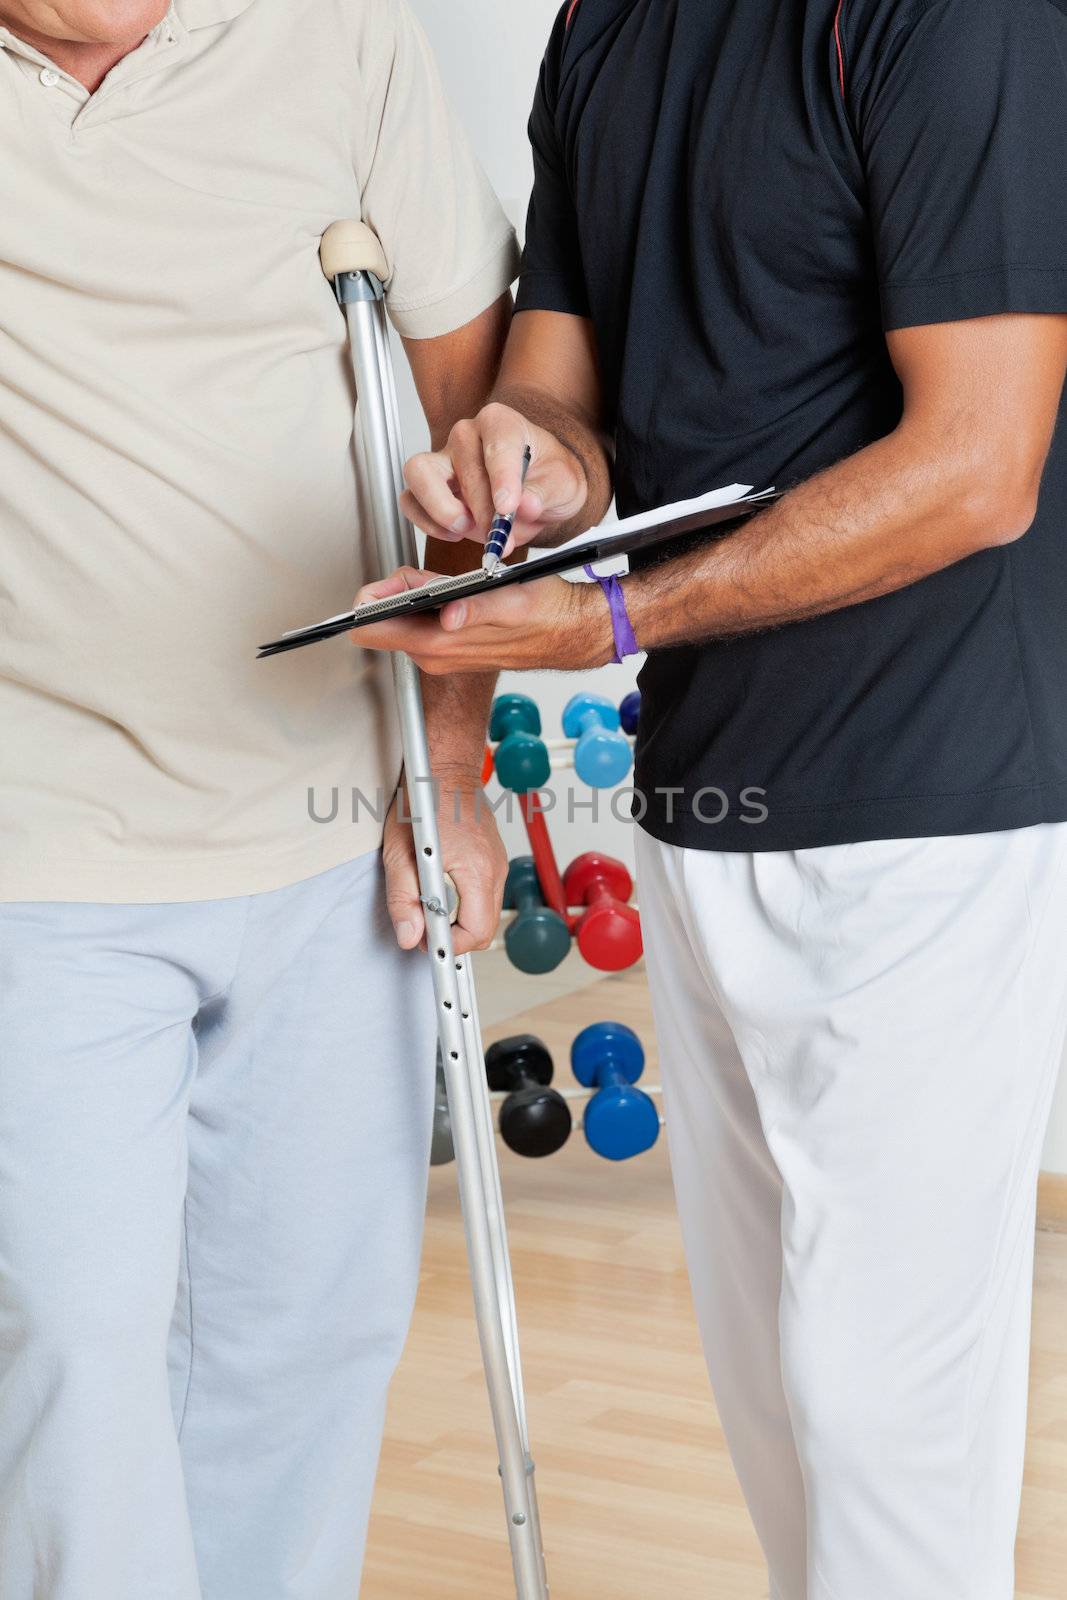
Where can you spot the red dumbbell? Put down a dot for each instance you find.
(533, 811)
(609, 930)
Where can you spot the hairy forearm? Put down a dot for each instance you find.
(581, 436)
(883, 519)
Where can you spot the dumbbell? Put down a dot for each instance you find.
(620, 1120)
(442, 1148)
(538, 939)
(522, 758)
(534, 1119)
(602, 755)
(609, 930)
(630, 712)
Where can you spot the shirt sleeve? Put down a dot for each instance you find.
(552, 276)
(962, 124)
(451, 250)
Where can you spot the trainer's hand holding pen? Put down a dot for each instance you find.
(498, 474)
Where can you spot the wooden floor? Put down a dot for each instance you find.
(638, 1497)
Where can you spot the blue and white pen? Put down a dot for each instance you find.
(500, 532)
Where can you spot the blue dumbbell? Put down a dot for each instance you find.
(630, 711)
(620, 1121)
(522, 761)
(602, 756)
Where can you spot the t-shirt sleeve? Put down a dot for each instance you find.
(451, 250)
(552, 276)
(962, 125)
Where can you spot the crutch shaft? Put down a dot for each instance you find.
(356, 264)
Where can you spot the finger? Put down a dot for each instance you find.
(396, 583)
(478, 911)
(413, 635)
(430, 479)
(505, 609)
(531, 506)
(556, 489)
(402, 898)
(505, 438)
(472, 477)
(422, 520)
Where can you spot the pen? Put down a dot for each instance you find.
(500, 532)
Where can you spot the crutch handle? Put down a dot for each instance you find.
(352, 247)
(453, 899)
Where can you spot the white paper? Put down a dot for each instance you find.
(659, 514)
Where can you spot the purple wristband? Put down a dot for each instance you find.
(625, 640)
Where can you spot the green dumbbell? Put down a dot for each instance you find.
(522, 760)
(538, 939)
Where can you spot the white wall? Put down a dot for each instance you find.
(490, 55)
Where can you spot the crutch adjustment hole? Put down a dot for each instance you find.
(440, 955)
(454, 1054)
(447, 1004)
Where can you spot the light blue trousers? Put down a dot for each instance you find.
(214, 1136)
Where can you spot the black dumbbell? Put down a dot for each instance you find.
(442, 1149)
(534, 1119)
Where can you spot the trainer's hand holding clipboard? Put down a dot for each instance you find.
(718, 511)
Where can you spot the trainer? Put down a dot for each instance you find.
(216, 1061)
(822, 246)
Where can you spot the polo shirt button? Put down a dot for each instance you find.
(49, 77)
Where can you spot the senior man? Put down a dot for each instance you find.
(822, 246)
(217, 1061)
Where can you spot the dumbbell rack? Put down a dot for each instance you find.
(522, 760)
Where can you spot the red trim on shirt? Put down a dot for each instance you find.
(570, 14)
(837, 41)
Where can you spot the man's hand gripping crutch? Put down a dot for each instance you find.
(353, 260)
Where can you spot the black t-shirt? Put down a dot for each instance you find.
(743, 198)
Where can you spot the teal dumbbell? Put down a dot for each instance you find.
(602, 755)
(522, 761)
(538, 939)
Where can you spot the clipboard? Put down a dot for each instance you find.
(722, 509)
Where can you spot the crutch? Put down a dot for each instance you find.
(353, 261)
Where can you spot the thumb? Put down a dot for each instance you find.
(556, 487)
(402, 897)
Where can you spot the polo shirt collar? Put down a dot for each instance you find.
(191, 14)
(208, 13)
(188, 15)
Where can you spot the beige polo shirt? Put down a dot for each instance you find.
(177, 478)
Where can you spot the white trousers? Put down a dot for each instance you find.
(214, 1137)
(859, 1049)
